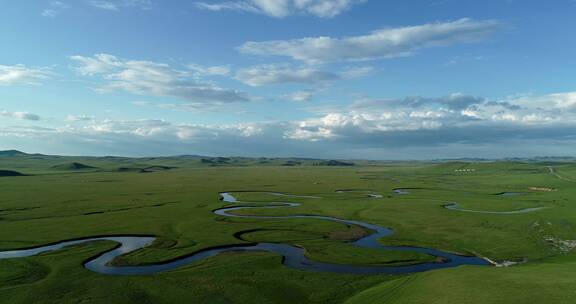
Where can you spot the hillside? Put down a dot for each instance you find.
(73, 166)
(10, 173)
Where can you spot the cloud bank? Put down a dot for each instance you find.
(372, 128)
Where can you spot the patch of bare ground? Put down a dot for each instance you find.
(353, 233)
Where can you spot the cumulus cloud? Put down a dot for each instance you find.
(453, 118)
(383, 43)
(21, 74)
(285, 74)
(19, 115)
(158, 79)
(284, 8)
(114, 5)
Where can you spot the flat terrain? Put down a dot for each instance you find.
(61, 198)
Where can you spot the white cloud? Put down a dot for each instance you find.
(158, 79)
(114, 5)
(218, 70)
(54, 8)
(561, 101)
(230, 5)
(192, 106)
(20, 115)
(21, 74)
(79, 118)
(279, 74)
(284, 74)
(456, 101)
(299, 96)
(284, 8)
(384, 43)
(352, 124)
(357, 72)
(144, 127)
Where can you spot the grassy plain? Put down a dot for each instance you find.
(175, 200)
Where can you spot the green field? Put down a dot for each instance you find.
(60, 198)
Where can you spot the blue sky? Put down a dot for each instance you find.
(311, 78)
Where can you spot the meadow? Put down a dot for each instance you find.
(61, 198)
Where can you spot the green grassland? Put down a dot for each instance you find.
(63, 198)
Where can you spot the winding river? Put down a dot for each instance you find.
(456, 207)
(293, 257)
(369, 193)
(401, 191)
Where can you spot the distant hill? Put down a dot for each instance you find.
(130, 169)
(4, 173)
(158, 168)
(11, 153)
(74, 166)
(215, 161)
(36, 163)
(331, 163)
(149, 169)
(291, 163)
